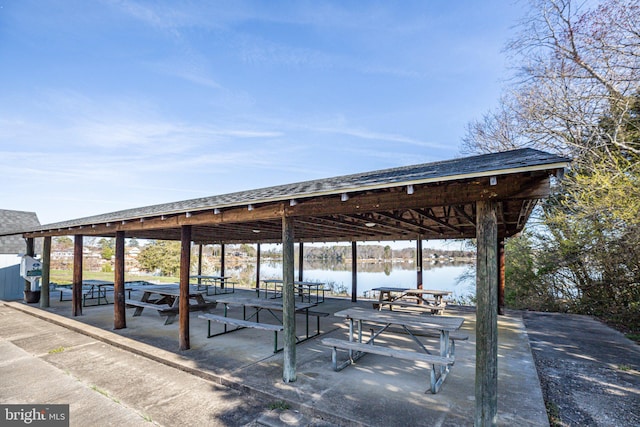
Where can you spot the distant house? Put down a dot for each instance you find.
(11, 246)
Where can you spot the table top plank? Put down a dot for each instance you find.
(427, 291)
(96, 282)
(199, 276)
(295, 282)
(261, 303)
(390, 289)
(443, 323)
(169, 290)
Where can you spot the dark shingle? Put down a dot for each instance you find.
(11, 221)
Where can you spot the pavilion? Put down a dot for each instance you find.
(487, 197)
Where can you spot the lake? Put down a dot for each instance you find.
(440, 276)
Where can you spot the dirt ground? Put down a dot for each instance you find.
(589, 373)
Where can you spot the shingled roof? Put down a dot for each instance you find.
(15, 222)
(324, 215)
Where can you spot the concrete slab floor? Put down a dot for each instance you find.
(376, 391)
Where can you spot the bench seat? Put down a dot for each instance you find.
(408, 304)
(166, 309)
(362, 348)
(387, 351)
(163, 309)
(241, 323)
(143, 304)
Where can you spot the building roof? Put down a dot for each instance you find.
(330, 209)
(10, 221)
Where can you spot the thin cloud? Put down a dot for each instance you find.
(380, 136)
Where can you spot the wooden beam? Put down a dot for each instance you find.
(46, 272)
(530, 185)
(183, 306)
(416, 227)
(76, 295)
(428, 213)
(453, 193)
(486, 387)
(461, 211)
(288, 301)
(119, 312)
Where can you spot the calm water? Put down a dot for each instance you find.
(439, 276)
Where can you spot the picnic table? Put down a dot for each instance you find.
(219, 284)
(165, 300)
(404, 297)
(309, 291)
(441, 360)
(92, 289)
(258, 305)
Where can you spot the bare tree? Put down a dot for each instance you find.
(576, 91)
(574, 67)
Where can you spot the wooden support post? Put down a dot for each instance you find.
(119, 315)
(258, 266)
(199, 263)
(46, 272)
(183, 306)
(222, 250)
(300, 261)
(419, 263)
(76, 295)
(288, 301)
(31, 251)
(501, 276)
(222, 264)
(31, 247)
(486, 388)
(354, 272)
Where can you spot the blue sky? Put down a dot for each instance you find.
(109, 105)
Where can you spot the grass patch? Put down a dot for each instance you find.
(634, 337)
(99, 390)
(57, 350)
(553, 412)
(104, 393)
(280, 404)
(624, 367)
(65, 277)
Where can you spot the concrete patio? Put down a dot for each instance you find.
(376, 391)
